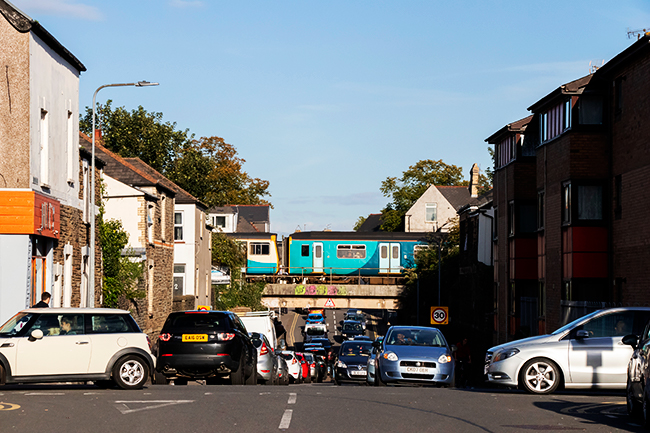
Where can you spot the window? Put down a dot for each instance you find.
(495, 224)
(567, 114)
(417, 249)
(304, 250)
(566, 203)
(219, 221)
(163, 218)
(540, 210)
(351, 251)
(431, 210)
(259, 248)
(70, 149)
(178, 226)
(179, 280)
(45, 149)
(112, 323)
(555, 121)
(618, 96)
(511, 219)
(590, 202)
(150, 215)
(590, 110)
(86, 191)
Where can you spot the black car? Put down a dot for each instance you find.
(351, 329)
(325, 342)
(210, 345)
(351, 365)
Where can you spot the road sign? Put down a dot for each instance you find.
(329, 303)
(439, 315)
(203, 307)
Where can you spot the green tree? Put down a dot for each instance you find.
(406, 190)
(121, 275)
(485, 181)
(137, 133)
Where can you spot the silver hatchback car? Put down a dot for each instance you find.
(586, 353)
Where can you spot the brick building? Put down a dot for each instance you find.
(43, 202)
(569, 188)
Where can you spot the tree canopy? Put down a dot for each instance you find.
(407, 189)
(208, 168)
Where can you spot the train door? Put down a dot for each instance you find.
(389, 258)
(317, 257)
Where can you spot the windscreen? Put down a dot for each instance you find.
(15, 324)
(352, 327)
(355, 349)
(191, 322)
(416, 337)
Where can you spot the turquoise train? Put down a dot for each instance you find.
(331, 253)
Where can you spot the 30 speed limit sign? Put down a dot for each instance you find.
(439, 315)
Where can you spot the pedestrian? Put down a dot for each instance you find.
(44, 302)
(463, 355)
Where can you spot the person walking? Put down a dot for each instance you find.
(44, 302)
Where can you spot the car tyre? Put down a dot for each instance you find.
(130, 372)
(540, 376)
(238, 377)
(633, 406)
(378, 381)
(252, 379)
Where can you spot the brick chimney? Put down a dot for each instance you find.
(98, 136)
(473, 180)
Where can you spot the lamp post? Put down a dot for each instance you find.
(90, 295)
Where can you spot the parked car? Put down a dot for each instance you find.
(306, 368)
(315, 318)
(262, 322)
(323, 341)
(315, 331)
(351, 363)
(283, 371)
(267, 361)
(356, 316)
(210, 345)
(638, 373)
(415, 354)
(586, 353)
(351, 329)
(294, 365)
(75, 344)
(363, 338)
(321, 368)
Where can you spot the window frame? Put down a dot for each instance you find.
(254, 247)
(350, 250)
(434, 207)
(178, 227)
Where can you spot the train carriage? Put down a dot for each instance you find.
(351, 253)
(262, 256)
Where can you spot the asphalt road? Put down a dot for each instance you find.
(305, 408)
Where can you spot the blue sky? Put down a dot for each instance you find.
(327, 99)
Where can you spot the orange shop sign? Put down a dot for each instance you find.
(29, 213)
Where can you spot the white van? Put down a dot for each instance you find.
(262, 322)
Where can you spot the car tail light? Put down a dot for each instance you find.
(313, 365)
(294, 361)
(225, 336)
(264, 350)
(164, 337)
(265, 371)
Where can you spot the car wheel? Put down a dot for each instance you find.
(238, 377)
(252, 379)
(378, 381)
(130, 372)
(633, 406)
(308, 378)
(540, 376)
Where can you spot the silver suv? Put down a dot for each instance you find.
(75, 345)
(586, 353)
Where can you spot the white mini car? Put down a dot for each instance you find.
(75, 345)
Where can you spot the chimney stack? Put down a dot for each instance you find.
(473, 180)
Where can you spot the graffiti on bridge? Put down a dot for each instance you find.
(320, 290)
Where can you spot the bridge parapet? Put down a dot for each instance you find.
(333, 290)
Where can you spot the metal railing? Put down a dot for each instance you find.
(327, 272)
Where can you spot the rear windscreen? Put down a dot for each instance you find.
(203, 322)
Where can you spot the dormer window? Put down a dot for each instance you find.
(555, 121)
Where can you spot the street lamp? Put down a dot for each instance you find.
(90, 298)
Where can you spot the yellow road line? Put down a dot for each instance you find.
(292, 330)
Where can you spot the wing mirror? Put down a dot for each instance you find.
(631, 340)
(582, 334)
(36, 334)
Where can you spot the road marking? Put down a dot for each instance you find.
(292, 398)
(265, 393)
(286, 419)
(293, 329)
(45, 393)
(8, 406)
(92, 393)
(121, 405)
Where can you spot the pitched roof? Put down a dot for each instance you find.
(457, 196)
(182, 196)
(516, 126)
(372, 223)
(574, 87)
(119, 168)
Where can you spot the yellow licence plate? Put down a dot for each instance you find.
(195, 337)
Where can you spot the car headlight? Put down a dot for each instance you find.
(391, 356)
(444, 359)
(505, 354)
(341, 364)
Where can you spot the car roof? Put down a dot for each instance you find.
(70, 310)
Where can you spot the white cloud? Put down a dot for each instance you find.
(65, 8)
(186, 3)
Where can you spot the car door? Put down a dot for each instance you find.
(601, 358)
(55, 353)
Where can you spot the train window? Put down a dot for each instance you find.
(384, 252)
(396, 252)
(304, 250)
(260, 248)
(351, 251)
(417, 249)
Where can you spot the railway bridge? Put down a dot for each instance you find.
(369, 296)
